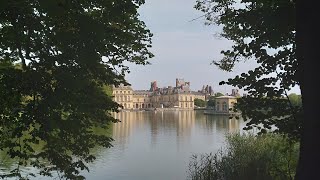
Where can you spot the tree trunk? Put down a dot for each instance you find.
(308, 56)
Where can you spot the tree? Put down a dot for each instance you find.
(263, 31)
(69, 52)
(199, 102)
(212, 99)
(211, 102)
(295, 99)
(218, 94)
(281, 36)
(307, 51)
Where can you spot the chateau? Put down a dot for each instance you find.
(180, 96)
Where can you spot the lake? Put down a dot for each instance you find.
(158, 145)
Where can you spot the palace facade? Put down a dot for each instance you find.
(180, 96)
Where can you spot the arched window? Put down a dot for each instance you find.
(137, 106)
(218, 106)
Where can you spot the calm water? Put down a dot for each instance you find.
(158, 145)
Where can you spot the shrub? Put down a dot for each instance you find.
(263, 157)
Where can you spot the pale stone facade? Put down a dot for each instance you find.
(177, 97)
(142, 100)
(225, 103)
(123, 95)
(176, 100)
(199, 95)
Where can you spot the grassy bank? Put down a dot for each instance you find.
(248, 157)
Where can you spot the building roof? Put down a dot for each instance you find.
(197, 93)
(121, 87)
(226, 97)
(142, 92)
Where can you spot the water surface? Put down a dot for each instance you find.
(159, 145)
(156, 145)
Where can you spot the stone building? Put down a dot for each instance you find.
(168, 97)
(142, 99)
(204, 94)
(224, 104)
(199, 95)
(123, 95)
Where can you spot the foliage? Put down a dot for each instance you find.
(65, 54)
(263, 31)
(218, 94)
(199, 102)
(212, 102)
(295, 99)
(268, 156)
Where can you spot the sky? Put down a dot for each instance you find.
(183, 49)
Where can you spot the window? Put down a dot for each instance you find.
(218, 106)
(224, 106)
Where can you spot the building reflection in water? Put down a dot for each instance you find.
(170, 126)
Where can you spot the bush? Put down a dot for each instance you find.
(262, 157)
(200, 102)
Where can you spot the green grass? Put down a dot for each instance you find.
(248, 157)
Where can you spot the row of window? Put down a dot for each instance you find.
(125, 106)
(126, 98)
(186, 105)
(173, 98)
(124, 92)
(122, 98)
(137, 106)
